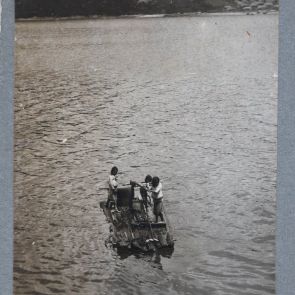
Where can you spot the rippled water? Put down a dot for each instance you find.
(192, 100)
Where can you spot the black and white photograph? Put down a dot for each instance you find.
(145, 147)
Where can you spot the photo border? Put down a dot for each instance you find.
(6, 145)
(285, 235)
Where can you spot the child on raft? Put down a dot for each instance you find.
(157, 196)
(112, 189)
(144, 191)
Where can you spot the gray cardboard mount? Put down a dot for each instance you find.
(6, 145)
(285, 235)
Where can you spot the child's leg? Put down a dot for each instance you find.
(115, 200)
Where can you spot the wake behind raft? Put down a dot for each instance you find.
(133, 224)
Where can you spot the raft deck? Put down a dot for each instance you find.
(137, 228)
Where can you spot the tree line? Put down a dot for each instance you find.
(66, 8)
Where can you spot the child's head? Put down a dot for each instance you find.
(155, 181)
(114, 170)
(148, 179)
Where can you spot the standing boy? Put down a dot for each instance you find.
(112, 189)
(157, 196)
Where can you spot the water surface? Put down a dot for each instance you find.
(192, 100)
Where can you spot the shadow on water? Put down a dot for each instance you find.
(152, 256)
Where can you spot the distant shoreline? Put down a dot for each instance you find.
(147, 16)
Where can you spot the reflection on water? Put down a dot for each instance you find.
(192, 100)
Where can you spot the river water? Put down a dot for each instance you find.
(190, 99)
